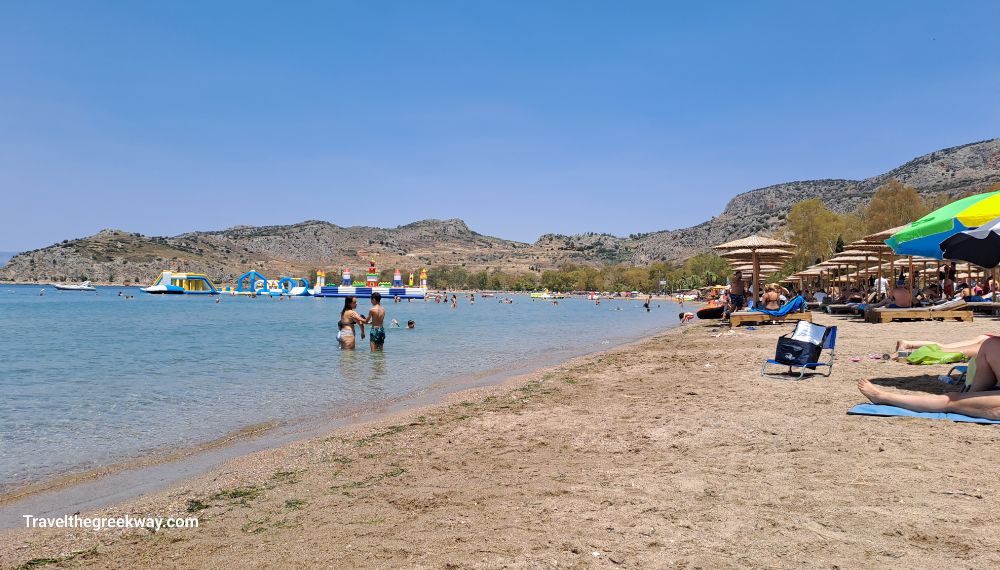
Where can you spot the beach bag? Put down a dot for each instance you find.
(795, 352)
(932, 354)
(802, 346)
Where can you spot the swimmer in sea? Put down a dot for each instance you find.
(454, 302)
(394, 324)
(410, 324)
(348, 318)
(376, 317)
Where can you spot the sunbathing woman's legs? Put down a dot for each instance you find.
(980, 401)
(967, 347)
(979, 405)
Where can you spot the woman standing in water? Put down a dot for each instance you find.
(348, 318)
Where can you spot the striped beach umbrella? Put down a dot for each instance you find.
(924, 236)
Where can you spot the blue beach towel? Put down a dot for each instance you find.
(794, 304)
(883, 410)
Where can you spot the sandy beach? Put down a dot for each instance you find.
(671, 452)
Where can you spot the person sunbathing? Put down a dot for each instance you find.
(929, 294)
(969, 348)
(981, 401)
(969, 294)
(899, 298)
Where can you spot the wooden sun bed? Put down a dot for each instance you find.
(842, 309)
(743, 317)
(886, 315)
(984, 307)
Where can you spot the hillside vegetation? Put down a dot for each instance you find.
(297, 249)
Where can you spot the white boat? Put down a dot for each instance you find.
(85, 286)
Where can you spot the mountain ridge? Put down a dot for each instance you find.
(113, 255)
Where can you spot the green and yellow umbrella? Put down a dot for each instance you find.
(924, 236)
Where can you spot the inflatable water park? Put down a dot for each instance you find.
(171, 283)
(371, 284)
(253, 283)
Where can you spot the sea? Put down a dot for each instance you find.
(92, 379)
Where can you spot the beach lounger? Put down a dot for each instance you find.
(827, 337)
(883, 410)
(842, 309)
(785, 313)
(984, 307)
(956, 310)
(750, 317)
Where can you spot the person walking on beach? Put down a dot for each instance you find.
(376, 317)
(348, 318)
(737, 293)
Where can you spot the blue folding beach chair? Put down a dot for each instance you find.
(963, 373)
(820, 366)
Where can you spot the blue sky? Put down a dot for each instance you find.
(519, 117)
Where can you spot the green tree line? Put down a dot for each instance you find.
(699, 271)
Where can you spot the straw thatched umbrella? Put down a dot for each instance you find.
(876, 242)
(755, 247)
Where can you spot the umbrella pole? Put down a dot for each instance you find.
(892, 270)
(910, 257)
(867, 268)
(879, 272)
(756, 273)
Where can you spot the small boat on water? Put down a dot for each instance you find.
(84, 286)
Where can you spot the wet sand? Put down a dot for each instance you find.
(672, 452)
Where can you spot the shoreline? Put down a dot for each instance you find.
(120, 481)
(670, 451)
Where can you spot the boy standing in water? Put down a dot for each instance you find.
(376, 316)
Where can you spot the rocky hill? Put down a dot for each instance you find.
(118, 256)
(121, 257)
(953, 171)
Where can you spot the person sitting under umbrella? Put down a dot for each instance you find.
(969, 294)
(929, 294)
(900, 297)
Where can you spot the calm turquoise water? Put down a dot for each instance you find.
(89, 379)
